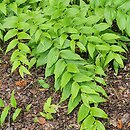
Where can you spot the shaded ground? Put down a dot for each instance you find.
(28, 91)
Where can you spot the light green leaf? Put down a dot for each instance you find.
(107, 15)
(116, 48)
(85, 99)
(23, 35)
(24, 60)
(99, 125)
(109, 58)
(121, 20)
(3, 8)
(11, 33)
(32, 62)
(109, 36)
(16, 113)
(88, 122)
(128, 25)
(52, 57)
(19, 2)
(83, 112)
(81, 46)
(13, 7)
(49, 71)
(101, 26)
(92, 19)
(38, 34)
(43, 83)
(65, 79)
(100, 80)
(23, 70)
(1, 103)
(68, 54)
(119, 60)
(63, 38)
(23, 47)
(99, 70)
(88, 90)
(59, 68)
(72, 68)
(66, 92)
(91, 49)
(75, 90)
(13, 100)
(102, 47)
(11, 45)
(72, 45)
(73, 103)
(4, 114)
(81, 77)
(97, 112)
(28, 107)
(15, 65)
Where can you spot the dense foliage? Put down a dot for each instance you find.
(75, 40)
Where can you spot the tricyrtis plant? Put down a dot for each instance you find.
(6, 109)
(75, 42)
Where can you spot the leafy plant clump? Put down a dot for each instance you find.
(75, 42)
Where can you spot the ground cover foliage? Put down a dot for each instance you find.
(75, 40)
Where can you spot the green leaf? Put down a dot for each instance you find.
(119, 60)
(107, 15)
(68, 54)
(88, 90)
(72, 45)
(81, 46)
(97, 112)
(13, 100)
(116, 48)
(12, 45)
(102, 47)
(13, 7)
(65, 79)
(109, 58)
(32, 62)
(19, 2)
(66, 92)
(38, 34)
(99, 125)
(109, 36)
(88, 122)
(16, 113)
(83, 112)
(81, 77)
(85, 99)
(101, 26)
(4, 114)
(1, 103)
(73, 103)
(128, 26)
(72, 68)
(59, 68)
(28, 107)
(100, 80)
(49, 71)
(75, 90)
(52, 57)
(91, 49)
(23, 47)
(99, 70)
(11, 33)
(63, 38)
(3, 8)
(23, 70)
(121, 20)
(43, 83)
(15, 65)
(23, 35)
(92, 19)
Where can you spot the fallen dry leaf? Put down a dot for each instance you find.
(0, 84)
(129, 124)
(41, 120)
(21, 83)
(119, 124)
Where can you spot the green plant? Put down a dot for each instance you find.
(48, 109)
(75, 42)
(43, 83)
(7, 109)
